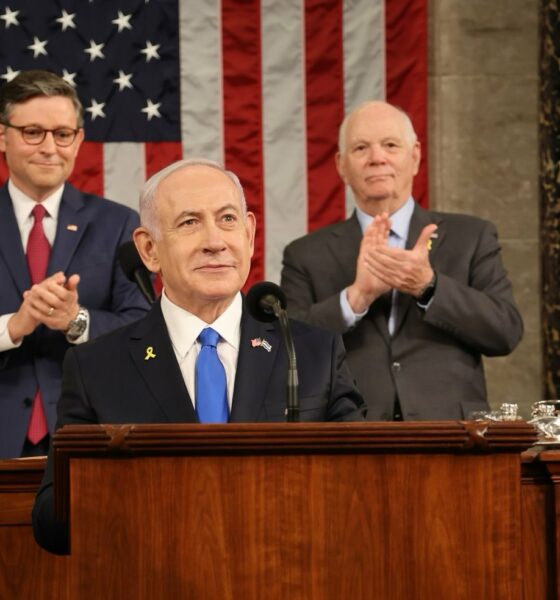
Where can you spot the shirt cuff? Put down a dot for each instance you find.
(5, 339)
(348, 315)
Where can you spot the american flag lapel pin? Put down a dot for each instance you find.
(262, 343)
(434, 236)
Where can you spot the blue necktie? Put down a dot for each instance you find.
(210, 380)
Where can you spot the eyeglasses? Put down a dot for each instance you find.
(31, 134)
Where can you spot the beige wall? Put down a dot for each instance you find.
(483, 155)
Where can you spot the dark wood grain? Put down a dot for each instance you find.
(310, 511)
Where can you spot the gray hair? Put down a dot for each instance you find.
(148, 215)
(31, 84)
(409, 127)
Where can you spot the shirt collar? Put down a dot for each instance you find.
(23, 204)
(400, 219)
(184, 327)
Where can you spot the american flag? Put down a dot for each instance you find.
(259, 85)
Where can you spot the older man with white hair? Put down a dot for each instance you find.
(419, 296)
(198, 356)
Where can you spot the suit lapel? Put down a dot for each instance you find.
(154, 357)
(420, 218)
(73, 221)
(346, 253)
(11, 248)
(254, 368)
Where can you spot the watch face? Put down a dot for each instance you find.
(77, 326)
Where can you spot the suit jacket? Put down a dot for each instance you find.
(88, 249)
(433, 360)
(113, 380)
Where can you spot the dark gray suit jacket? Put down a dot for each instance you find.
(109, 380)
(433, 361)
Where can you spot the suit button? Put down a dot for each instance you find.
(396, 366)
(27, 402)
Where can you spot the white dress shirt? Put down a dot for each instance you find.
(184, 329)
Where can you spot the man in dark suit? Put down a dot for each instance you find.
(198, 235)
(60, 284)
(419, 296)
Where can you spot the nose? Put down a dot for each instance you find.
(376, 154)
(213, 239)
(48, 145)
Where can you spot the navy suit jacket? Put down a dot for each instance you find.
(113, 380)
(97, 228)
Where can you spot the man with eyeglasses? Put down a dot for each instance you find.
(59, 281)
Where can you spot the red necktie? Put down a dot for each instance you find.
(38, 252)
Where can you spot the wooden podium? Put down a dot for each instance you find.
(372, 511)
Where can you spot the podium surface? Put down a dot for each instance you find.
(385, 511)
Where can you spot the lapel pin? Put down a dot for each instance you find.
(261, 342)
(72, 227)
(149, 353)
(433, 236)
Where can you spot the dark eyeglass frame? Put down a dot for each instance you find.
(65, 142)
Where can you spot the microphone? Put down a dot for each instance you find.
(267, 302)
(135, 270)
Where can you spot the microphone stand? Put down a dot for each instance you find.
(292, 406)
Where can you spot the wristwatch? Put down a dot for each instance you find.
(78, 325)
(428, 292)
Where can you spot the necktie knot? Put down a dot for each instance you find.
(39, 212)
(209, 337)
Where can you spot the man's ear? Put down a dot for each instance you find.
(251, 226)
(339, 161)
(417, 156)
(147, 249)
(3, 130)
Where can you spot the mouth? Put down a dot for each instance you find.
(377, 176)
(214, 268)
(44, 164)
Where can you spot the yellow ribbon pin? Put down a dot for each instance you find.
(149, 353)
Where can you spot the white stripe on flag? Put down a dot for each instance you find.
(201, 79)
(284, 133)
(124, 172)
(364, 58)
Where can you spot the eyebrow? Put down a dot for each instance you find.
(198, 213)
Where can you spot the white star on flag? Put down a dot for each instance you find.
(38, 47)
(10, 17)
(123, 80)
(66, 20)
(151, 51)
(151, 109)
(9, 74)
(94, 51)
(122, 21)
(96, 109)
(69, 77)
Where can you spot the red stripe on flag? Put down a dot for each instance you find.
(160, 155)
(88, 170)
(325, 110)
(407, 73)
(242, 80)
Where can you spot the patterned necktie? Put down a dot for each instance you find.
(210, 380)
(38, 253)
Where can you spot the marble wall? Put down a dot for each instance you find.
(483, 155)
